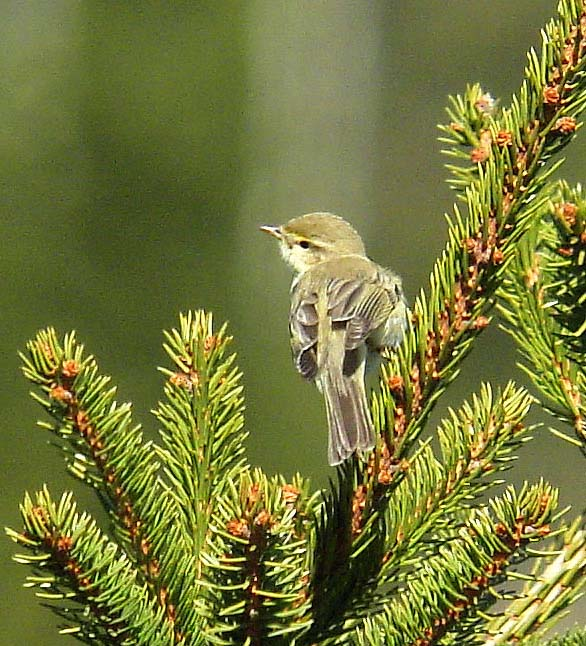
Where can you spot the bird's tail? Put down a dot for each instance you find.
(349, 421)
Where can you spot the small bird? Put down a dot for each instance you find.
(345, 309)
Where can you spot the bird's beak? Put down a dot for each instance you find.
(272, 230)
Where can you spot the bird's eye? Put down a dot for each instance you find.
(304, 244)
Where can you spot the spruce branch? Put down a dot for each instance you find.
(86, 571)
(425, 510)
(202, 422)
(476, 442)
(159, 518)
(558, 582)
(448, 588)
(575, 637)
(204, 549)
(257, 561)
(101, 446)
(201, 450)
(542, 118)
(544, 306)
(504, 193)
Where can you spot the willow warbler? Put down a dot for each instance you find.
(344, 310)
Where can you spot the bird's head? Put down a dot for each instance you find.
(315, 237)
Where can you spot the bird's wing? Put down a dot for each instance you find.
(364, 305)
(360, 306)
(303, 327)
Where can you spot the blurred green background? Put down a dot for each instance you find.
(145, 142)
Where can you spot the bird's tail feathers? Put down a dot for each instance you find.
(349, 421)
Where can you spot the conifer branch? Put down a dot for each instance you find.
(448, 587)
(202, 415)
(476, 443)
(203, 549)
(424, 511)
(544, 307)
(558, 583)
(85, 570)
(504, 195)
(202, 422)
(256, 564)
(573, 638)
(202, 449)
(101, 446)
